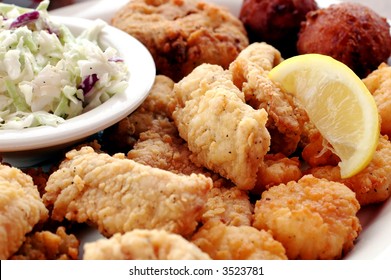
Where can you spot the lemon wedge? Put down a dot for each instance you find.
(337, 102)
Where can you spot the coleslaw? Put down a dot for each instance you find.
(47, 74)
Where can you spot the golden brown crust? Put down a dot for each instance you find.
(379, 84)
(45, 245)
(117, 194)
(313, 218)
(21, 208)
(222, 242)
(371, 185)
(143, 245)
(183, 34)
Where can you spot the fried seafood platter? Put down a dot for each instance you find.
(218, 163)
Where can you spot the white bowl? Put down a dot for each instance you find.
(30, 146)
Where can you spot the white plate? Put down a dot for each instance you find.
(374, 241)
(28, 146)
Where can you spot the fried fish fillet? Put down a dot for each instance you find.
(313, 218)
(143, 245)
(371, 185)
(286, 118)
(21, 208)
(225, 135)
(117, 194)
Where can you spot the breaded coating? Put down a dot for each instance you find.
(143, 245)
(21, 208)
(46, 245)
(317, 152)
(183, 34)
(159, 104)
(228, 205)
(225, 135)
(313, 218)
(286, 119)
(277, 169)
(163, 148)
(222, 242)
(371, 185)
(379, 84)
(117, 194)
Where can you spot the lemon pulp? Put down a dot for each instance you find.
(337, 102)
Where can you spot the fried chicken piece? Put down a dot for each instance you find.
(159, 104)
(228, 205)
(371, 185)
(222, 242)
(143, 245)
(117, 194)
(313, 218)
(45, 245)
(275, 22)
(183, 34)
(349, 32)
(277, 169)
(225, 135)
(379, 84)
(21, 208)
(286, 119)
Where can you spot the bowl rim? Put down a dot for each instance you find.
(142, 73)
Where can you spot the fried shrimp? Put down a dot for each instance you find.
(117, 194)
(277, 169)
(21, 208)
(313, 218)
(228, 205)
(285, 118)
(223, 242)
(225, 135)
(371, 185)
(379, 84)
(46, 245)
(143, 245)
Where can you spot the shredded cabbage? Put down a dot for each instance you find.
(48, 75)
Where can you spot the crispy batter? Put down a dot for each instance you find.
(225, 135)
(313, 218)
(161, 147)
(379, 84)
(143, 245)
(21, 208)
(222, 242)
(46, 245)
(118, 194)
(286, 118)
(277, 169)
(183, 34)
(228, 205)
(316, 151)
(159, 104)
(371, 185)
